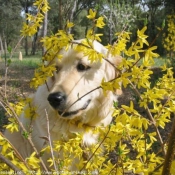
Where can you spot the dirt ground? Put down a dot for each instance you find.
(17, 81)
(17, 85)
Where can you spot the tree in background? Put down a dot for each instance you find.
(26, 6)
(62, 11)
(169, 38)
(169, 6)
(119, 14)
(45, 24)
(10, 23)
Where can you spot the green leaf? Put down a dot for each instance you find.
(25, 134)
(145, 21)
(9, 62)
(115, 103)
(9, 49)
(163, 23)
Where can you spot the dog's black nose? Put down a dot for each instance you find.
(57, 100)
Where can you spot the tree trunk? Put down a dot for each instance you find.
(5, 55)
(35, 37)
(26, 45)
(87, 25)
(110, 23)
(45, 30)
(71, 19)
(60, 15)
(1, 46)
(27, 22)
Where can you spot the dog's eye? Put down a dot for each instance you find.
(81, 67)
(57, 69)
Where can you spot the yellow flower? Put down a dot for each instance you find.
(100, 23)
(149, 54)
(93, 36)
(142, 37)
(33, 161)
(13, 126)
(92, 14)
(35, 21)
(69, 24)
(134, 50)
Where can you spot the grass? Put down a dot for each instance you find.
(158, 62)
(31, 61)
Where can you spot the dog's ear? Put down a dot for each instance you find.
(119, 92)
(113, 63)
(116, 62)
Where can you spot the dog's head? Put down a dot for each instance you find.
(75, 88)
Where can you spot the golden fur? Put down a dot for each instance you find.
(75, 77)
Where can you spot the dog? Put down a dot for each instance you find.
(72, 94)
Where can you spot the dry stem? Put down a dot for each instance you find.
(11, 165)
(50, 141)
(151, 118)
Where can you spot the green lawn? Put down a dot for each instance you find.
(31, 61)
(28, 61)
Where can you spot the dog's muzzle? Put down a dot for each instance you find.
(58, 101)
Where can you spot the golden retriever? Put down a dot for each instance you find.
(74, 94)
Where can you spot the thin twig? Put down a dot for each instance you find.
(16, 47)
(6, 67)
(80, 99)
(151, 118)
(16, 151)
(78, 43)
(11, 165)
(50, 141)
(5, 84)
(167, 100)
(156, 169)
(114, 167)
(119, 71)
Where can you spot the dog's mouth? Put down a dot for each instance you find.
(70, 113)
